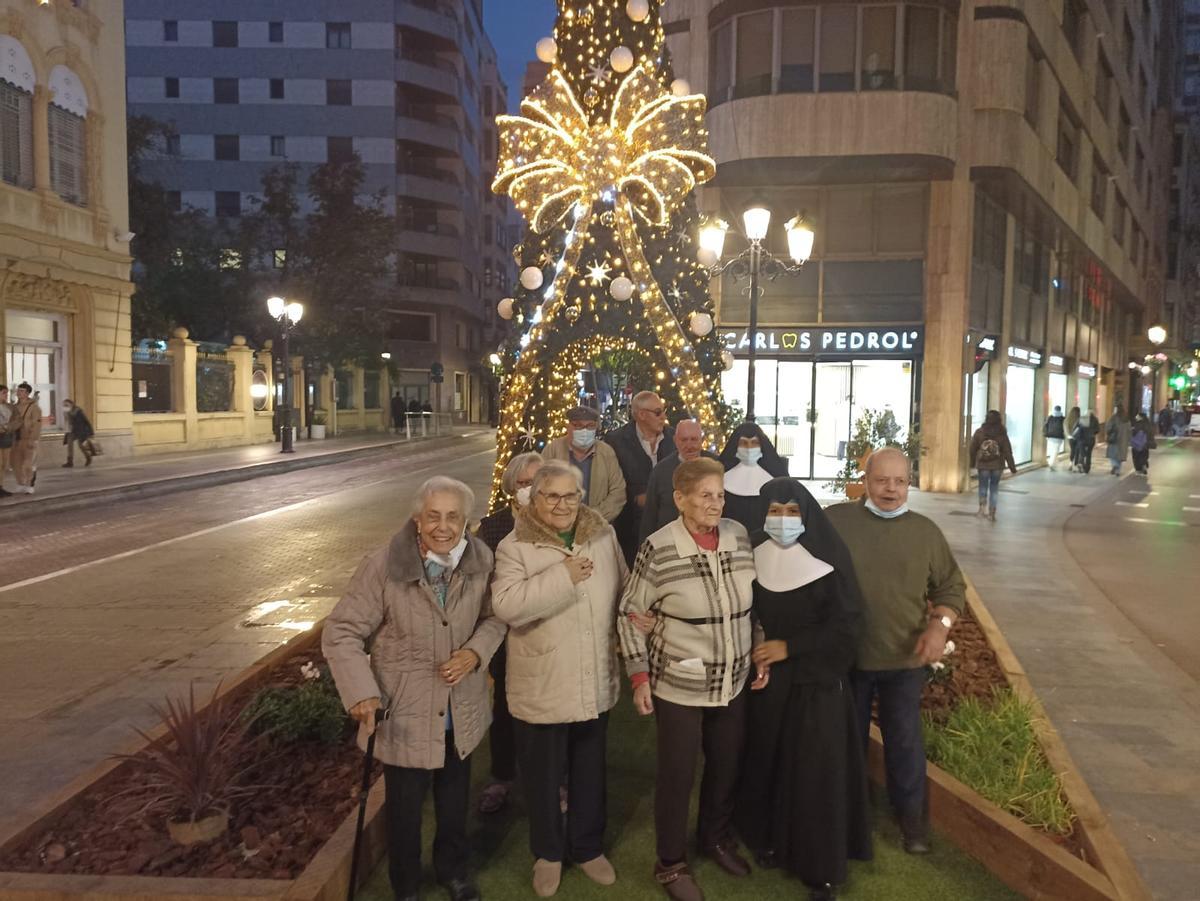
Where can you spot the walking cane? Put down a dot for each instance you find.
(368, 759)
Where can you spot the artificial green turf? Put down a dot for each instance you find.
(502, 864)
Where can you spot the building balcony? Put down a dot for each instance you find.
(430, 17)
(428, 71)
(445, 191)
(444, 292)
(435, 241)
(433, 129)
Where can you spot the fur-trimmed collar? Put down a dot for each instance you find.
(532, 530)
(404, 556)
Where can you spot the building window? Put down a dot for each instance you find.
(276, 88)
(226, 147)
(339, 149)
(1073, 13)
(1099, 186)
(16, 135)
(1068, 139)
(228, 204)
(279, 259)
(1118, 224)
(34, 352)
(174, 201)
(921, 48)
(337, 35)
(1033, 88)
(411, 327)
(224, 34)
(338, 92)
(275, 32)
(720, 63)
(68, 156)
(170, 31)
(878, 48)
(171, 88)
(1139, 165)
(225, 90)
(838, 27)
(460, 392)
(278, 145)
(754, 65)
(1104, 83)
(1123, 134)
(796, 48)
(1130, 47)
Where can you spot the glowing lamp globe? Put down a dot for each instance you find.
(800, 239)
(1157, 334)
(757, 220)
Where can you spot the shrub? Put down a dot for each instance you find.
(991, 746)
(309, 711)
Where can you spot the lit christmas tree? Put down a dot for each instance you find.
(602, 162)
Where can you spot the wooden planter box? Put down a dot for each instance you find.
(325, 878)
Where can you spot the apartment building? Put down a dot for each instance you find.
(988, 185)
(407, 85)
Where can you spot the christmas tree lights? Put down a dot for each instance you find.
(602, 162)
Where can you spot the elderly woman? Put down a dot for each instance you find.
(558, 578)
(694, 577)
(409, 640)
(517, 483)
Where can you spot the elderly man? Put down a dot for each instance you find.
(660, 494)
(913, 591)
(26, 422)
(641, 443)
(603, 483)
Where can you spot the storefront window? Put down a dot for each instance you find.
(33, 351)
(1058, 391)
(979, 396)
(1018, 412)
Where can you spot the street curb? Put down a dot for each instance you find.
(212, 478)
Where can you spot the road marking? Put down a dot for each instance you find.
(124, 555)
(1143, 493)
(1131, 504)
(1191, 509)
(1194, 497)
(1156, 522)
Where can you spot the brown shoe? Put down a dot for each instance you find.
(725, 855)
(678, 882)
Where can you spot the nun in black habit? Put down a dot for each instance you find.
(750, 461)
(802, 802)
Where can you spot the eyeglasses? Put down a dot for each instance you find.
(524, 483)
(658, 412)
(571, 500)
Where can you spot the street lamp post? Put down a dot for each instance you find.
(287, 315)
(756, 262)
(1156, 334)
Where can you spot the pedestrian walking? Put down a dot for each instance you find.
(517, 483)
(603, 482)
(398, 411)
(913, 591)
(1055, 433)
(660, 492)
(1141, 442)
(1165, 421)
(8, 436)
(1069, 430)
(1118, 434)
(558, 580)
(750, 461)
(411, 636)
(802, 802)
(991, 451)
(694, 577)
(640, 444)
(26, 425)
(1084, 434)
(79, 431)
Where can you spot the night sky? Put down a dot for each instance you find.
(514, 27)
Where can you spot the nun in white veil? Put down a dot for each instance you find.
(750, 461)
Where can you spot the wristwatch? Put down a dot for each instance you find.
(943, 619)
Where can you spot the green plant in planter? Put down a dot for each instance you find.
(319, 416)
(873, 430)
(310, 711)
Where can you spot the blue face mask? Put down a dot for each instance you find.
(584, 438)
(749, 455)
(784, 529)
(886, 514)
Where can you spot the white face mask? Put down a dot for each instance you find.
(450, 560)
(584, 438)
(524, 495)
(784, 529)
(749, 455)
(886, 514)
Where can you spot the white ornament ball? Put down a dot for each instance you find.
(637, 10)
(505, 308)
(621, 288)
(621, 59)
(531, 278)
(547, 50)
(680, 87)
(701, 324)
(707, 256)
(727, 360)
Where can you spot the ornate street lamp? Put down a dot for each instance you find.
(756, 262)
(1157, 334)
(287, 315)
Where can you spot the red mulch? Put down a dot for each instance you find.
(308, 794)
(975, 671)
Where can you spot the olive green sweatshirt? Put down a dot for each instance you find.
(900, 563)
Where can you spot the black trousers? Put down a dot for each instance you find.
(545, 752)
(683, 733)
(501, 741)
(405, 796)
(899, 695)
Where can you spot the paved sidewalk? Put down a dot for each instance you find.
(1130, 716)
(146, 476)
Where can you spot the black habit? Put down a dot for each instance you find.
(740, 507)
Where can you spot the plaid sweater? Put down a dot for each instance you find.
(698, 653)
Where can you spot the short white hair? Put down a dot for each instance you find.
(446, 485)
(516, 466)
(888, 451)
(553, 469)
(642, 398)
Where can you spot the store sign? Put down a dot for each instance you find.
(1087, 370)
(1025, 356)
(846, 341)
(1057, 362)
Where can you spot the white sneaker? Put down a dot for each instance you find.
(26, 489)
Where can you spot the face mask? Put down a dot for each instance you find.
(886, 514)
(584, 438)
(524, 495)
(784, 529)
(451, 559)
(749, 455)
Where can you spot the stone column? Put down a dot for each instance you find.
(183, 381)
(242, 359)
